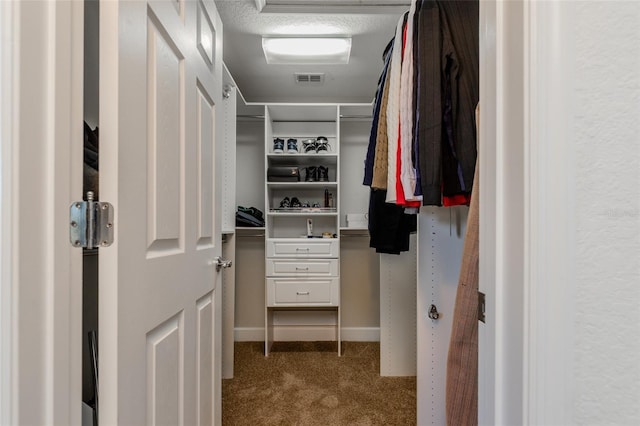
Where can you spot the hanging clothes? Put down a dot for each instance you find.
(380, 164)
(406, 172)
(390, 227)
(449, 91)
(371, 150)
(422, 145)
(393, 111)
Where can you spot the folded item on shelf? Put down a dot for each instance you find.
(283, 174)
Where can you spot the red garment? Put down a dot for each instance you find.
(400, 197)
(400, 200)
(456, 200)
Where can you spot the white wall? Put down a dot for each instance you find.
(5, 329)
(569, 115)
(606, 128)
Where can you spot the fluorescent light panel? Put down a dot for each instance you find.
(306, 50)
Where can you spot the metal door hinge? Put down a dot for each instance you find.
(481, 307)
(91, 223)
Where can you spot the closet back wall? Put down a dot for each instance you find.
(359, 264)
(250, 268)
(250, 163)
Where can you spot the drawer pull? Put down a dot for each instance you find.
(302, 249)
(302, 269)
(302, 293)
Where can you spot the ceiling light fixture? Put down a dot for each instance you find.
(306, 50)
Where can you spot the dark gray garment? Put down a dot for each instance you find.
(448, 46)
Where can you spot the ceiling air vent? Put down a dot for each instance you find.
(309, 79)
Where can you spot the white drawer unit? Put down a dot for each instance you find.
(302, 193)
(303, 247)
(303, 292)
(302, 267)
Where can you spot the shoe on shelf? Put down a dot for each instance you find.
(322, 174)
(278, 146)
(322, 145)
(252, 211)
(309, 146)
(295, 203)
(310, 174)
(285, 203)
(292, 146)
(316, 205)
(305, 205)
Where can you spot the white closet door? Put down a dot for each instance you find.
(160, 88)
(441, 237)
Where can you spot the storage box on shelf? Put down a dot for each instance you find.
(302, 218)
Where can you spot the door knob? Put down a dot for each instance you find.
(220, 263)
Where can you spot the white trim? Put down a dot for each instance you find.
(248, 334)
(45, 279)
(526, 229)
(549, 382)
(360, 334)
(531, 219)
(301, 333)
(487, 212)
(503, 216)
(7, 141)
(498, 292)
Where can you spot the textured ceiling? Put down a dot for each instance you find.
(258, 81)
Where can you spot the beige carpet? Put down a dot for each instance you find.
(306, 383)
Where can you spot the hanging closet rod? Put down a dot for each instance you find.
(347, 116)
(250, 116)
(362, 116)
(304, 121)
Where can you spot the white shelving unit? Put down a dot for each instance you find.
(302, 271)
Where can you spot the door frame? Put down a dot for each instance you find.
(41, 273)
(526, 226)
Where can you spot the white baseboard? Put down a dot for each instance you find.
(361, 334)
(307, 334)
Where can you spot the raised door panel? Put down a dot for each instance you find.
(206, 171)
(204, 359)
(165, 142)
(165, 373)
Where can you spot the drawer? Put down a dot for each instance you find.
(301, 247)
(302, 267)
(303, 292)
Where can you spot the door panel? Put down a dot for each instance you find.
(204, 373)
(165, 164)
(165, 353)
(206, 129)
(159, 327)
